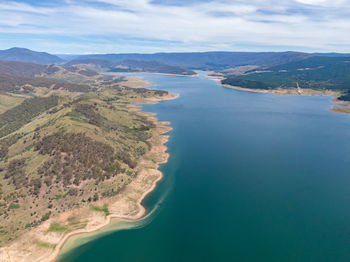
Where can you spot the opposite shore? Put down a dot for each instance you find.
(153, 73)
(342, 107)
(127, 205)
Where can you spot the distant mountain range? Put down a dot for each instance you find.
(208, 60)
(266, 70)
(173, 63)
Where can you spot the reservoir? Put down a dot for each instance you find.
(251, 177)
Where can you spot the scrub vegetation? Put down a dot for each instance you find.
(69, 137)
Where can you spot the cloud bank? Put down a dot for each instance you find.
(81, 26)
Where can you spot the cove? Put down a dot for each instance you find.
(251, 177)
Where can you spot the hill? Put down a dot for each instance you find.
(130, 66)
(22, 69)
(150, 66)
(26, 55)
(318, 73)
(69, 138)
(91, 62)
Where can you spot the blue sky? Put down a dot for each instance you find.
(147, 26)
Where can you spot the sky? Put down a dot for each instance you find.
(148, 26)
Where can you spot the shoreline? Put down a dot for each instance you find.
(120, 207)
(142, 210)
(340, 107)
(109, 218)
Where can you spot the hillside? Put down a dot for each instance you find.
(91, 63)
(317, 73)
(130, 66)
(150, 66)
(23, 69)
(68, 139)
(26, 55)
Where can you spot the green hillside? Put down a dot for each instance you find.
(65, 145)
(319, 73)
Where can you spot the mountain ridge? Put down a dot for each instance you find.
(27, 55)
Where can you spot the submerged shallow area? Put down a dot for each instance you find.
(251, 177)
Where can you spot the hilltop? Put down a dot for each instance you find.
(27, 55)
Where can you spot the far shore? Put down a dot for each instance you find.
(342, 107)
(153, 73)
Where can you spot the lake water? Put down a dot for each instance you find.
(252, 177)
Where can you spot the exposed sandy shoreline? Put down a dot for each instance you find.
(126, 205)
(133, 217)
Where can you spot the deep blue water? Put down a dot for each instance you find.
(252, 177)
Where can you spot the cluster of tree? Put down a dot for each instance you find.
(6, 143)
(17, 84)
(246, 83)
(151, 66)
(160, 92)
(82, 71)
(126, 158)
(142, 132)
(75, 158)
(95, 62)
(345, 96)
(89, 112)
(51, 69)
(142, 91)
(16, 174)
(108, 80)
(22, 114)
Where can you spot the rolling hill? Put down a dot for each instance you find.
(26, 55)
(130, 66)
(69, 138)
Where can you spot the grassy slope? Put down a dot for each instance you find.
(104, 116)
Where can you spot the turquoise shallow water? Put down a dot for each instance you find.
(252, 177)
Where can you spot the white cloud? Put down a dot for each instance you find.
(329, 3)
(318, 24)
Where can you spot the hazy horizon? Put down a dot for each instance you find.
(210, 51)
